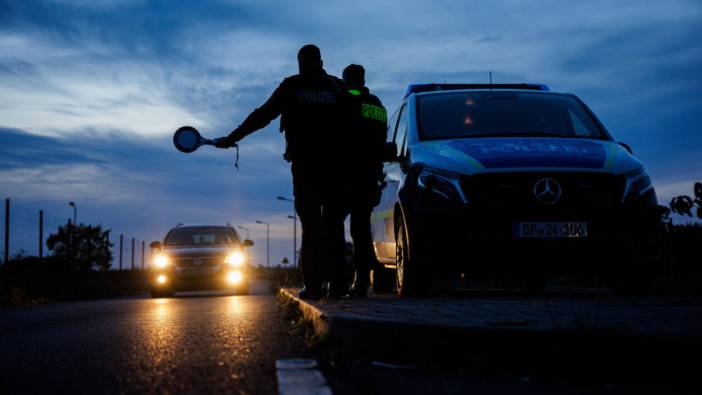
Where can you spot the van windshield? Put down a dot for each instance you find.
(201, 235)
(504, 114)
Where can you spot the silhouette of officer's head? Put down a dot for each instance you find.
(354, 76)
(309, 59)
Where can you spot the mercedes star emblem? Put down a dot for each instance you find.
(547, 191)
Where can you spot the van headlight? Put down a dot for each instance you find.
(443, 183)
(638, 183)
(236, 259)
(161, 261)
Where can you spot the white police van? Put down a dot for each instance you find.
(508, 179)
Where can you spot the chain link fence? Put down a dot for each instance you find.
(24, 231)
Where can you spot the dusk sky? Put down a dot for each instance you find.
(91, 91)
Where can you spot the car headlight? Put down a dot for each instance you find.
(638, 183)
(443, 183)
(236, 258)
(234, 277)
(161, 261)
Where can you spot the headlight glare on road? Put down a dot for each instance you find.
(236, 258)
(234, 277)
(161, 261)
(161, 279)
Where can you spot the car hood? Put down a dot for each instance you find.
(499, 154)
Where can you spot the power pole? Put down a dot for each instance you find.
(142, 254)
(121, 242)
(7, 230)
(41, 234)
(268, 242)
(132, 253)
(294, 218)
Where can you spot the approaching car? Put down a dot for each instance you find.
(509, 180)
(197, 258)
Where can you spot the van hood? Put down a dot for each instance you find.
(499, 154)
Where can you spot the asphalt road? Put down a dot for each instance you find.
(211, 343)
(217, 343)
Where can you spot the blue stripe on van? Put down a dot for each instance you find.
(534, 152)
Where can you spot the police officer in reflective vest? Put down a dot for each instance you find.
(366, 134)
(308, 104)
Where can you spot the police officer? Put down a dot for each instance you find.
(309, 107)
(366, 134)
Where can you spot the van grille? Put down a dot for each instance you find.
(514, 192)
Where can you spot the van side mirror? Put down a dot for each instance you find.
(390, 152)
(248, 243)
(156, 245)
(626, 147)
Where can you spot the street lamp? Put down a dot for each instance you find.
(294, 218)
(268, 242)
(75, 212)
(246, 230)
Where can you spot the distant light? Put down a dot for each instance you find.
(468, 121)
(161, 279)
(234, 277)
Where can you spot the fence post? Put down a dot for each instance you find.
(107, 246)
(7, 230)
(41, 234)
(121, 241)
(142, 254)
(132, 253)
(70, 242)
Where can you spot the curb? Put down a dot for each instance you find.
(375, 338)
(320, 321)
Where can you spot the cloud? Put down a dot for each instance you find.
(57, 93)
(90, 91)
(140, 187)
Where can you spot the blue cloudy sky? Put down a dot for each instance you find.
(92, 90)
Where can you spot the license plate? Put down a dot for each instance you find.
(551, 230)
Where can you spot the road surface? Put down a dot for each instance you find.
(216, 343)
(188, 344)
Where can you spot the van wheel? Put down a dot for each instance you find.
(382, 279)
(410, 279)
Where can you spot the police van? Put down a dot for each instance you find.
(508, 179)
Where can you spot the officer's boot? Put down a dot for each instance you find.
(360, 286)
(310, 294)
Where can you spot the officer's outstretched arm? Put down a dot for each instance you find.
(258, 119)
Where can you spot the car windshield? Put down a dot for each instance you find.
(205, 235)
(500, 114)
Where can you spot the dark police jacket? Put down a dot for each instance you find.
(310, 109)
(366, 133)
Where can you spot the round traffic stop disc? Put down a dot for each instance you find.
(187, 139)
